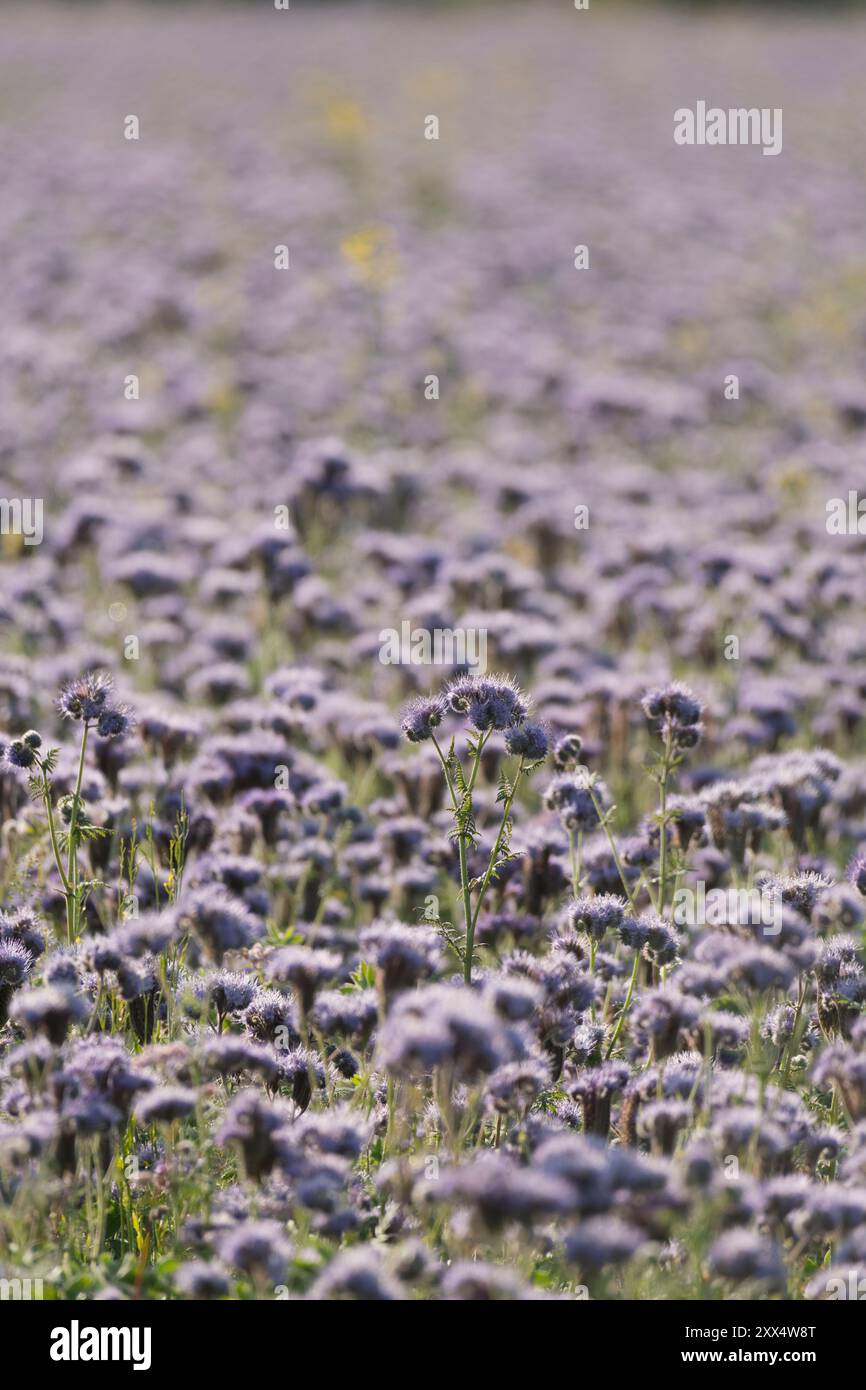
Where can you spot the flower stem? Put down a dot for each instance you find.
(52, 829)
(73, 920)
(626, 1006)
(663, 824)
(602, 817)
(462, 845)
(575, 854)
(488, 873)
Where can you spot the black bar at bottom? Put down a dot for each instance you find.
(238, 1336)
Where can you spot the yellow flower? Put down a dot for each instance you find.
(345, 121)
(372, 253)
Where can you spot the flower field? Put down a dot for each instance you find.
(432, 656)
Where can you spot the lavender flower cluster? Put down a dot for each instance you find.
(324, 977)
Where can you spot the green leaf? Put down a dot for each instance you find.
(505, 789)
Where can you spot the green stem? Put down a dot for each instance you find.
(52, 830)
(792, 1041)
(626, 1006)
(602, 817)
(389, 1128)
(663, 824)
(488, 873)
(449, 784)
(575, 855)
(468, 915)
(473, 777)
(467, 908)
(72, 858)
(462, 846)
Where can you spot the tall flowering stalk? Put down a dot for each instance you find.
(88, 701)
(674, 714)
(489, 705)
(581, 799)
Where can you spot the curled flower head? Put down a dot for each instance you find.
(529, 741)
(86, 697)
(15, 965)
(596, 915)
(674, 701)
(675, 713)
(20, 754)
(488, 702)
(115, 722)
(421, 718)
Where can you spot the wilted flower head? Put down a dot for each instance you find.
(300, 1070)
